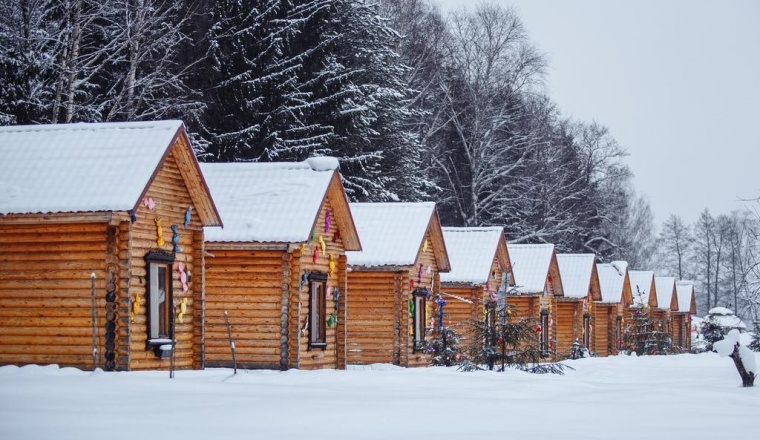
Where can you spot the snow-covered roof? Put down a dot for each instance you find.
(684, 292)
(471, 252)
(63, 168)
(576, 270)
(266, 202)
(530, 265)
(612, 280)
(725, 318)
(641, 285)
(391, 233)
(664, 287)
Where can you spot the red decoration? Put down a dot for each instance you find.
(500, 340)
(315, 255)
(336, 237)
(537, 329)
(411, 284)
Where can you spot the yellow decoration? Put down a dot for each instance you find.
(135, 307)
(425, 246)
(182, 310)
(322, 244)
(303, 249)
(332, 265)
(159, 232)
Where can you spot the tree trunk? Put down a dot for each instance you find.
(748, 377)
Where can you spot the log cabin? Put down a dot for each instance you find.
(101, 246)
(580, 285)
(680, 324)
(479, 265)
(639, 313)
(667, 303)
(538, 284)
(277, 270)
(393, 282)
(608, 313)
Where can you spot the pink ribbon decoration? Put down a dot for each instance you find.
(182, 276)
(328, 220)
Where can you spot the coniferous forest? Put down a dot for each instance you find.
(417, 105)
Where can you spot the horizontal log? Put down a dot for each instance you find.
(60, 230)
(224, 352)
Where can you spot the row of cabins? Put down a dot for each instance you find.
(113, 254)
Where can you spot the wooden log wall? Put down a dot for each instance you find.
(604, 328)
(371, 325)
(248, 285)
(418, 277)
(172, 200)
(45, 292)
(680, 330)
(569, 325)
(310, 359)
(459, 314)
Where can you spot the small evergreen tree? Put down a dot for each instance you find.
(499, 343)
(444, 345)
(712, 332)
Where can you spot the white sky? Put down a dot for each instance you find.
(677, 82)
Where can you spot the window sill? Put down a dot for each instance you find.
(162, 347)
(317, 345)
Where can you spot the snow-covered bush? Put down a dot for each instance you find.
(743, 357)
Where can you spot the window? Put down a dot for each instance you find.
(419, 317)
(318, 310)
(587, 330)
(159, 299)
(544, 342)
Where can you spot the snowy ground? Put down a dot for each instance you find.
(674, 397)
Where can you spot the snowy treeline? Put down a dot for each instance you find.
(722, 254)
(416, 106)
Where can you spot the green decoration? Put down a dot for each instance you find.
(332, 320)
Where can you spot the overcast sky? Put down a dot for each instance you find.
(677, 82)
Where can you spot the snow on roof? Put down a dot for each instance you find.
(471, 252)
(266, 202)
(684, 291)
(612, 280)
(79, 167)
(641, 284)
(530, 265)
(391, 233)
(576, 270)
(664, 287)
(725, 318)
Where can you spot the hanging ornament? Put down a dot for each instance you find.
(175, 239)
(304, 278)
(188, 216)
(332, 320)
(303, 249)
(135, 308)
(182, 310)
(537, 329)
(429, 270)
(132, 215)
(182, 276)
(336, 237)
(336, 297)
(551, 322)
(315, 255)
(328, 220)
(425, 245)
(331, 265)
(311, 238)
(149, 203)
(322, 244)
(159, 232)
(441, 303)
(411, 284)
(431, 324)
(329, 291)
(419, 274)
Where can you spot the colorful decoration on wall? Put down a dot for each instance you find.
(331, 265)
(149, 203)
(188, 216)
(425, 245)
(135, 308)
(315, 255)
(175, 238)
(336, 297)
(328, 220)
(182, 276)
(322, 244)
(440, 302)
(303, 249)
(429, 270)
(411, 284)
(182, 310)
(304, 278)
(336, 236)
(332, 320)
(132, 215)
(159, 232)
(419, 273)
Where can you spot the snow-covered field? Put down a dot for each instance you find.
(670, 397)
